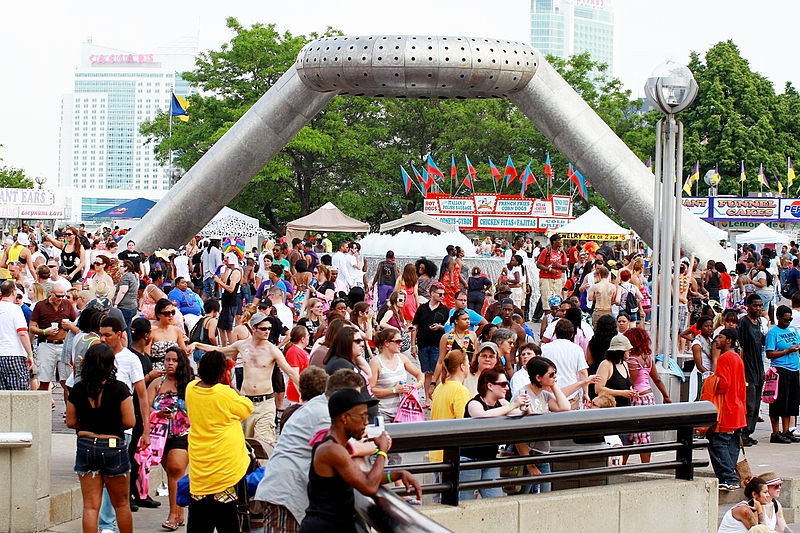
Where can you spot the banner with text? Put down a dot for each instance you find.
(487, 211)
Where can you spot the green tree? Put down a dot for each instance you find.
(13, 178)
(737, 117)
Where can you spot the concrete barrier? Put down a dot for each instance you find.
(655, 506)
(25, 471)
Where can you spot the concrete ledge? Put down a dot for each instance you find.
(671, 505)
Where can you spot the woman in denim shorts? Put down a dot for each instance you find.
(100, 409)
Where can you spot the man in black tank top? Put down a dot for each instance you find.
(229, 287)
(334, 474)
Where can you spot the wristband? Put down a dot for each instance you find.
(413, 346)
(388, 476)
(394, 390)
(381, 452)
(30, 356)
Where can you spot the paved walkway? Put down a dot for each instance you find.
(782, 458)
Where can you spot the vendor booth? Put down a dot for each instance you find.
(418, 222)
(762, 234)
(229, 222)
(593, 225)
(327, 218)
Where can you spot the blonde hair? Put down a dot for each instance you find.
(249, 311)
(39, 292)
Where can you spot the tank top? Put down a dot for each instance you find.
(387, 379)
(69, 260)
(619, 382)
(388, 274)
(480, 452)
(331, 502)
(410, 309)
(642, 382)
(729, 524)
(14, 251)
(228, 299)
(452, 344)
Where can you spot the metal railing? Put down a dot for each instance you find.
(16, 439)
(452, 435)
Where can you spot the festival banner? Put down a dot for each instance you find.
(489, 211)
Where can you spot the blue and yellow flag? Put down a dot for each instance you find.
(179, 107)
(687, 187)
(790, 173)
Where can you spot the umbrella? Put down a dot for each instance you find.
(136, 208)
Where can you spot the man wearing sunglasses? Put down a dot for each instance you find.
(50, 320)
(259, 357)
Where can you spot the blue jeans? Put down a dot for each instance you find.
(723, 450)
(544, 468)
(479, 475)
(107, 517)
(128, 315)
(246, 294)
(208, 287)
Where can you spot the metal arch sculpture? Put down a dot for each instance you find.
(412, 67)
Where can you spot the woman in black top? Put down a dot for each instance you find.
(489, 402)
(615, 378)
(100, 409)
(71, 252)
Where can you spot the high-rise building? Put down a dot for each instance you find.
(103, 158)
(567, 27)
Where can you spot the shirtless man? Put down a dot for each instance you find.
(259, 356)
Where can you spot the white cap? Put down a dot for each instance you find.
(232, 258)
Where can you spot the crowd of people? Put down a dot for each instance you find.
(163, 357)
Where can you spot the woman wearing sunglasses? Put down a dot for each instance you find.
(489, 402)
(164, 334)
(390, 370)
(773, 511)
(72, 256)
(98, 274)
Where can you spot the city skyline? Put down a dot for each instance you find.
(41, 55)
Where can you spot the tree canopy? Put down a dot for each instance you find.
(13, 178)
(737, 116)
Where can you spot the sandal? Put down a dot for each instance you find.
(169, 525)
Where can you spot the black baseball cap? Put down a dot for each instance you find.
(343, 400)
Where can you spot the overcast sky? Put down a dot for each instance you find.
(40, 45)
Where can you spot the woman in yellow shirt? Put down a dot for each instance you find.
(218, 457)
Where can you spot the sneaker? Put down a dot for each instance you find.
(725, 487)
(149, 503)
(794, 431)
(789, 435)
(749, 441)
(779, 438)
(734, 485)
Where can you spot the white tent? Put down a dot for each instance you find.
(231, 222)
(418, 221)
(326, 218)
(762, 234)
(593, 225)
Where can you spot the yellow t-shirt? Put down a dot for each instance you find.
(217, 453)
(14, 251)
(449, 401)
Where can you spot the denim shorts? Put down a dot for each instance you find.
(94, 456)
(428, 356)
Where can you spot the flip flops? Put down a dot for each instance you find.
(170, 525)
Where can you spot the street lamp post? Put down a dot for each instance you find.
(671, 88)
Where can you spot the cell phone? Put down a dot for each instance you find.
(376, 429)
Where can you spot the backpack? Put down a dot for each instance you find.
(630, 305)
(196, 335)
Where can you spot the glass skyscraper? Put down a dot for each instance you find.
(103, 158)
(567, 27)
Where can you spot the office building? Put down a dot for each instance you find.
(567, 27)
(103, 158)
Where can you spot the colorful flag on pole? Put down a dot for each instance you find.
(548, 170)
(453, 171)
(432, 169)
(511, 172)
(742, 174)
(495, 173)
(469, 181)
(527, 178)
(423, 181)
(577, 178)
(179, 107)
(649, 164)
(687, 187)
(406, 180)
(762, 179)
(778, 181)
(790, 172)
(715, 179)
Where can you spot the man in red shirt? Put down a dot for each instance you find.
(552, 263)
(725, 435)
